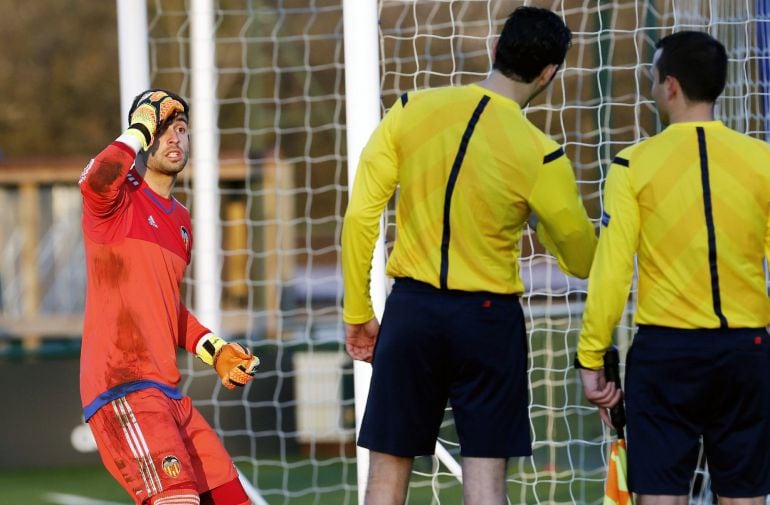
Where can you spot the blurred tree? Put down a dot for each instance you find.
(60, 93)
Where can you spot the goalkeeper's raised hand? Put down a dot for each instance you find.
(234, 364)
(151, 110)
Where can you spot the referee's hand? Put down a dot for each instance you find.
(601, 393)
(360, 339)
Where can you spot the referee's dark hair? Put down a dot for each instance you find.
(532, 38)
(697, 60)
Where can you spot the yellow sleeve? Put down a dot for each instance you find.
(563, 226)
(613, 268)
(375, 182)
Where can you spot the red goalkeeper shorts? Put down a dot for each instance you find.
(151, 443)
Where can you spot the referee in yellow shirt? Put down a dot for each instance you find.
(471, 170)
(693, 203)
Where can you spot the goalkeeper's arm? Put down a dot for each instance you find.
(234, 364)
(102, 180)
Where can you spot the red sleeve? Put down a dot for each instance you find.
(101, 183)
(190, 330)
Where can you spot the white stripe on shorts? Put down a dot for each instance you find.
(135, 440)
(185, 499)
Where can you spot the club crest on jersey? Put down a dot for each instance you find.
(605, 219)
(185, 238)
(171, 466)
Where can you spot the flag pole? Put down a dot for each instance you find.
(616, 491)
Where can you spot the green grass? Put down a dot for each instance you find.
(32, 487)
(300, 484)
(37, 487)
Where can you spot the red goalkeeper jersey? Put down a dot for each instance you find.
(137, 245)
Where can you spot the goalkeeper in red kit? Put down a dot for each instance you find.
(138, 241)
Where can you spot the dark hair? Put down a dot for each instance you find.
(697, 60)
(532, 39)
(173, 95)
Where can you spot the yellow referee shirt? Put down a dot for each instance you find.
(693, 203)
(470, 168)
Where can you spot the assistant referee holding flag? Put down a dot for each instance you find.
(471, 170)
(693, 203)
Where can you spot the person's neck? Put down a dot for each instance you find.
(160, 183)
(692, 112)
(519, 92)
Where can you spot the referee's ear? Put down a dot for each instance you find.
(547, 74)
(493, 54)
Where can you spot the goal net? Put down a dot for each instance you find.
(283, 189)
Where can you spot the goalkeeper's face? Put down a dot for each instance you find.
(169, 153)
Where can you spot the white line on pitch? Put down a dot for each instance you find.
(73, 499)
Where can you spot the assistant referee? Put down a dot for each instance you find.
(693, 203)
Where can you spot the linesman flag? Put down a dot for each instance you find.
(616, 489)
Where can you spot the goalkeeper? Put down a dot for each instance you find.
(693, 204)
(138, 241)
(472, 170)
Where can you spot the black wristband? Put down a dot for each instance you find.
(577, 364)
(144, 131)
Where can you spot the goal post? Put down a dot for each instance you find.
(298, 86)
(133, 58)
(362, 117)
(204, 158)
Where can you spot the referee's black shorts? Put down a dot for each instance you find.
(682, 385)
(438, 345)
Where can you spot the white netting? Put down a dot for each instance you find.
(283, 189)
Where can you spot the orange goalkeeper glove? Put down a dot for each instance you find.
(234, 364)
(150, 111)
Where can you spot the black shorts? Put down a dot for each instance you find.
(682, 385)
(438, 345)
